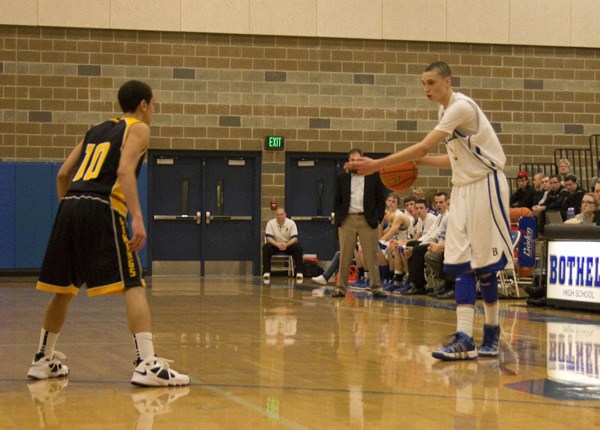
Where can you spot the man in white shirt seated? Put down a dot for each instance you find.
(426, 222)
(281, 235)
(416, 254)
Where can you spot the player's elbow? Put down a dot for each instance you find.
(123, 172)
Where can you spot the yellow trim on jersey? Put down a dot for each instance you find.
(117, 198)
(119, 206)
(71, 289)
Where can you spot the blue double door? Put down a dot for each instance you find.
(309, 194)
(204, 213)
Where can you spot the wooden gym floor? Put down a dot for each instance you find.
(288, 356)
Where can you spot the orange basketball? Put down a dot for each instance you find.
(399, 177)
(517, 213)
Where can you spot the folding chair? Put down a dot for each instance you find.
(282, 262)
(507, 278)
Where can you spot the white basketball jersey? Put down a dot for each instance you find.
(474, 151)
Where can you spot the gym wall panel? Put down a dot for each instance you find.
(405, 20)
(155, 15)
(480, 21)
(529, 22)
(7, 215)
(223, 16)
(34, 187)
(22, 12)
(342, 18)
(585, 14)
(288, 18)
(540, 22)
(74, 13)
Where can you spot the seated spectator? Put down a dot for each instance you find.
(443, 287)
(540, 184)
(588, 208)
(541, 191)
(523, 197)
(416, 253)
(425, 221)
(330, 271)
(564, 168)
(573, 199)
(417, 193)
(597, 192)
(397, 243)
(397, 222)
(553, 201)
(281, 235)
(409, 210)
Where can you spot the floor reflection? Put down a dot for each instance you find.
(287, 355)
(572, 362)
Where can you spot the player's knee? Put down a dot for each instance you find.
(465, 290)
(489, 288)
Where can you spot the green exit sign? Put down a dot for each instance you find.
(274, 143)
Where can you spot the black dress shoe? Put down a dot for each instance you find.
(337, 293)
(379, 294)
(414, 291)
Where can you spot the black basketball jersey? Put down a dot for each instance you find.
(96, 171)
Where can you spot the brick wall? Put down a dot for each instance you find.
(222, 92)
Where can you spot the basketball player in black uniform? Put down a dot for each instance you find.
(89, 244)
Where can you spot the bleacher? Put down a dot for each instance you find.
(585, 163)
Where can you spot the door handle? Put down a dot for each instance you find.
(330, 218)
(196, 218)
(210, 218)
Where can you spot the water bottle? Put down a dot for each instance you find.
(570, 213)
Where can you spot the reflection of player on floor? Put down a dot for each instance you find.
(477, 239)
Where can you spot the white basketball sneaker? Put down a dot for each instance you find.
(48, 366)
(319, 280)
(156, 372)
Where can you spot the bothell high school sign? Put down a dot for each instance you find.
(573, 271)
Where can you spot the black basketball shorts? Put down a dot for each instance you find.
(89, 244)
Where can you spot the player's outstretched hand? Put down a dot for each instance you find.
(361, 166)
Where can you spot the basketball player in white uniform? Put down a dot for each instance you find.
(477, 239)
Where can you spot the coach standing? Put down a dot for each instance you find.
(359, 207)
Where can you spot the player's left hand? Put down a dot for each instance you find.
(138, 236)
(362, 166)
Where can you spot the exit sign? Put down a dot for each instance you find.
(274, 143)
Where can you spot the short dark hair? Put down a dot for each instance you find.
(132, 93)
(355, 151)
(394, 195)
(441, 68)
(442, 193)
(571, 178)
(421, 201)
(409, 199)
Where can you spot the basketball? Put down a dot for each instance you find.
(517, 213)
(399, 177)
